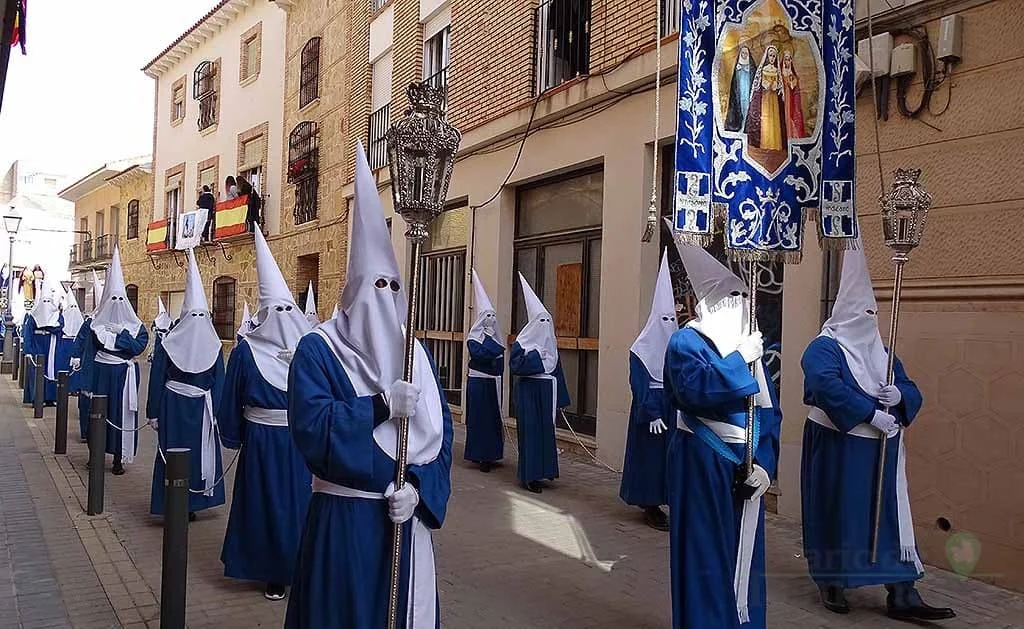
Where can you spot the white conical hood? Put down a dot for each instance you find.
(722, 303)
(277, 325)
(854, 324)
(163, 320)
(539, 331)
(246, 324)
(192, 345)
(310, 311)
(97, 291)
(486, 322)
(73, 318)
(115, 312)
(46, 308)
(651, 345)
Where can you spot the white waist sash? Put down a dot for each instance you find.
(51, 358)
(129, 403)
(421, 610)
(266, 416)
(748, 519)
(905, 521)
(554, 393)
(473, 373)
(208, 445)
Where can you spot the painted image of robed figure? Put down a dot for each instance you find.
(766, 126)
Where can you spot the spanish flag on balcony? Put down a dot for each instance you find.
(230, 217)
(18, 36)
(156, 236)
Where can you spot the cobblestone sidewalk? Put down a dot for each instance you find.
(573, 557)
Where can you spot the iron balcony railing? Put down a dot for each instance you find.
(207, 111)
(669, 17)
(73, 255)
(85, 251)
(561, 42)
(439, 81)
(104, 247)
(376, 141)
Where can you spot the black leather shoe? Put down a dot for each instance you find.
(922, 612)
(834, 600)
(485, 467)
(656, 518)
(534, 487)
(191, 516)
(117, 469)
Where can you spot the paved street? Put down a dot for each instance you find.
(573, 557)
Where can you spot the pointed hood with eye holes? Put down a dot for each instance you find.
(651, 345)
(163, 320)
(46, 308)
(193, 345)
(539, 331)
(280, 324)
(486, 322)
(722, 301)
(115, 312)
(73, 319)
(97, 291)
(854, 324)
(310, 310)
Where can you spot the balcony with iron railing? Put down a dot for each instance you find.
(207, 111)
(439, 81)
(376, 145)
(561, 42)
(104, 247)
(73, 255)
(85, 251)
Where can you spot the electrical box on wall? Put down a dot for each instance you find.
(904, 60)
(878, 55)
(951, 39)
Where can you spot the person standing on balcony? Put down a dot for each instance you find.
(208, 202)
(717, 517)
(230, 188)
(185, 386)
(42, 331)
(272, 483)
(115, 337)
(643, 471)
(851, 407)
(540, 393)
(253, 203)
(485, 432)
(345, 393)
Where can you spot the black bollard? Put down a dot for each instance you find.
(97, 453)
(23, 372)
(16, 358)
(175, 558)
(60, 430)
(40, 378)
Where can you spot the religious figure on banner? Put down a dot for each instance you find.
(739, 91)
(766, 126)
(794, 103)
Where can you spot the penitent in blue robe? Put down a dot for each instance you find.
(81, 380)
(109, 380)
(643, 470)
(838, 473)
(705, 513)
(272, 484)
(180, 425)
(342, 578)
(485, 432)
(537, 399)
(38, 342)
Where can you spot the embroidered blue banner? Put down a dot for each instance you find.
(765, 136)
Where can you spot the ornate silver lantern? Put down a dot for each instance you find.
(904, 211)
(421, 147)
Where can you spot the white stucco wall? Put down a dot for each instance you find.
(242, 107)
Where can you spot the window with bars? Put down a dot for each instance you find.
(131, 291)
(132, 229)
(436, 58)
(669, 17)
(224, 307)
(561, 42)
(377, 5)
(309, 72)
(377, 149)
(204, 90)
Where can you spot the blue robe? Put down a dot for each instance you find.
(838, 472)
(272, 484)
(535, 423)
(705, 513)
(109, 380)
(485, 432)
(37, 341)
(180, 421)
(81, 380)
(342, 577)
(643, 471)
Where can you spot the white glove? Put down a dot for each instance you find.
(658, 426)
(759, 480)
(886, 423)
(155, 424)
(890, 395)
(402, 398)
(751, 347)
(107, 338)
(76, 363)
(401, 503)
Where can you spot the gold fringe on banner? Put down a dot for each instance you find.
(759, 255)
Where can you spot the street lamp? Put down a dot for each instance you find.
(12, 221)
(421, 148)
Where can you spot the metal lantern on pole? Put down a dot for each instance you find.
(12, 222)
(421, 151)
(904, 211)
